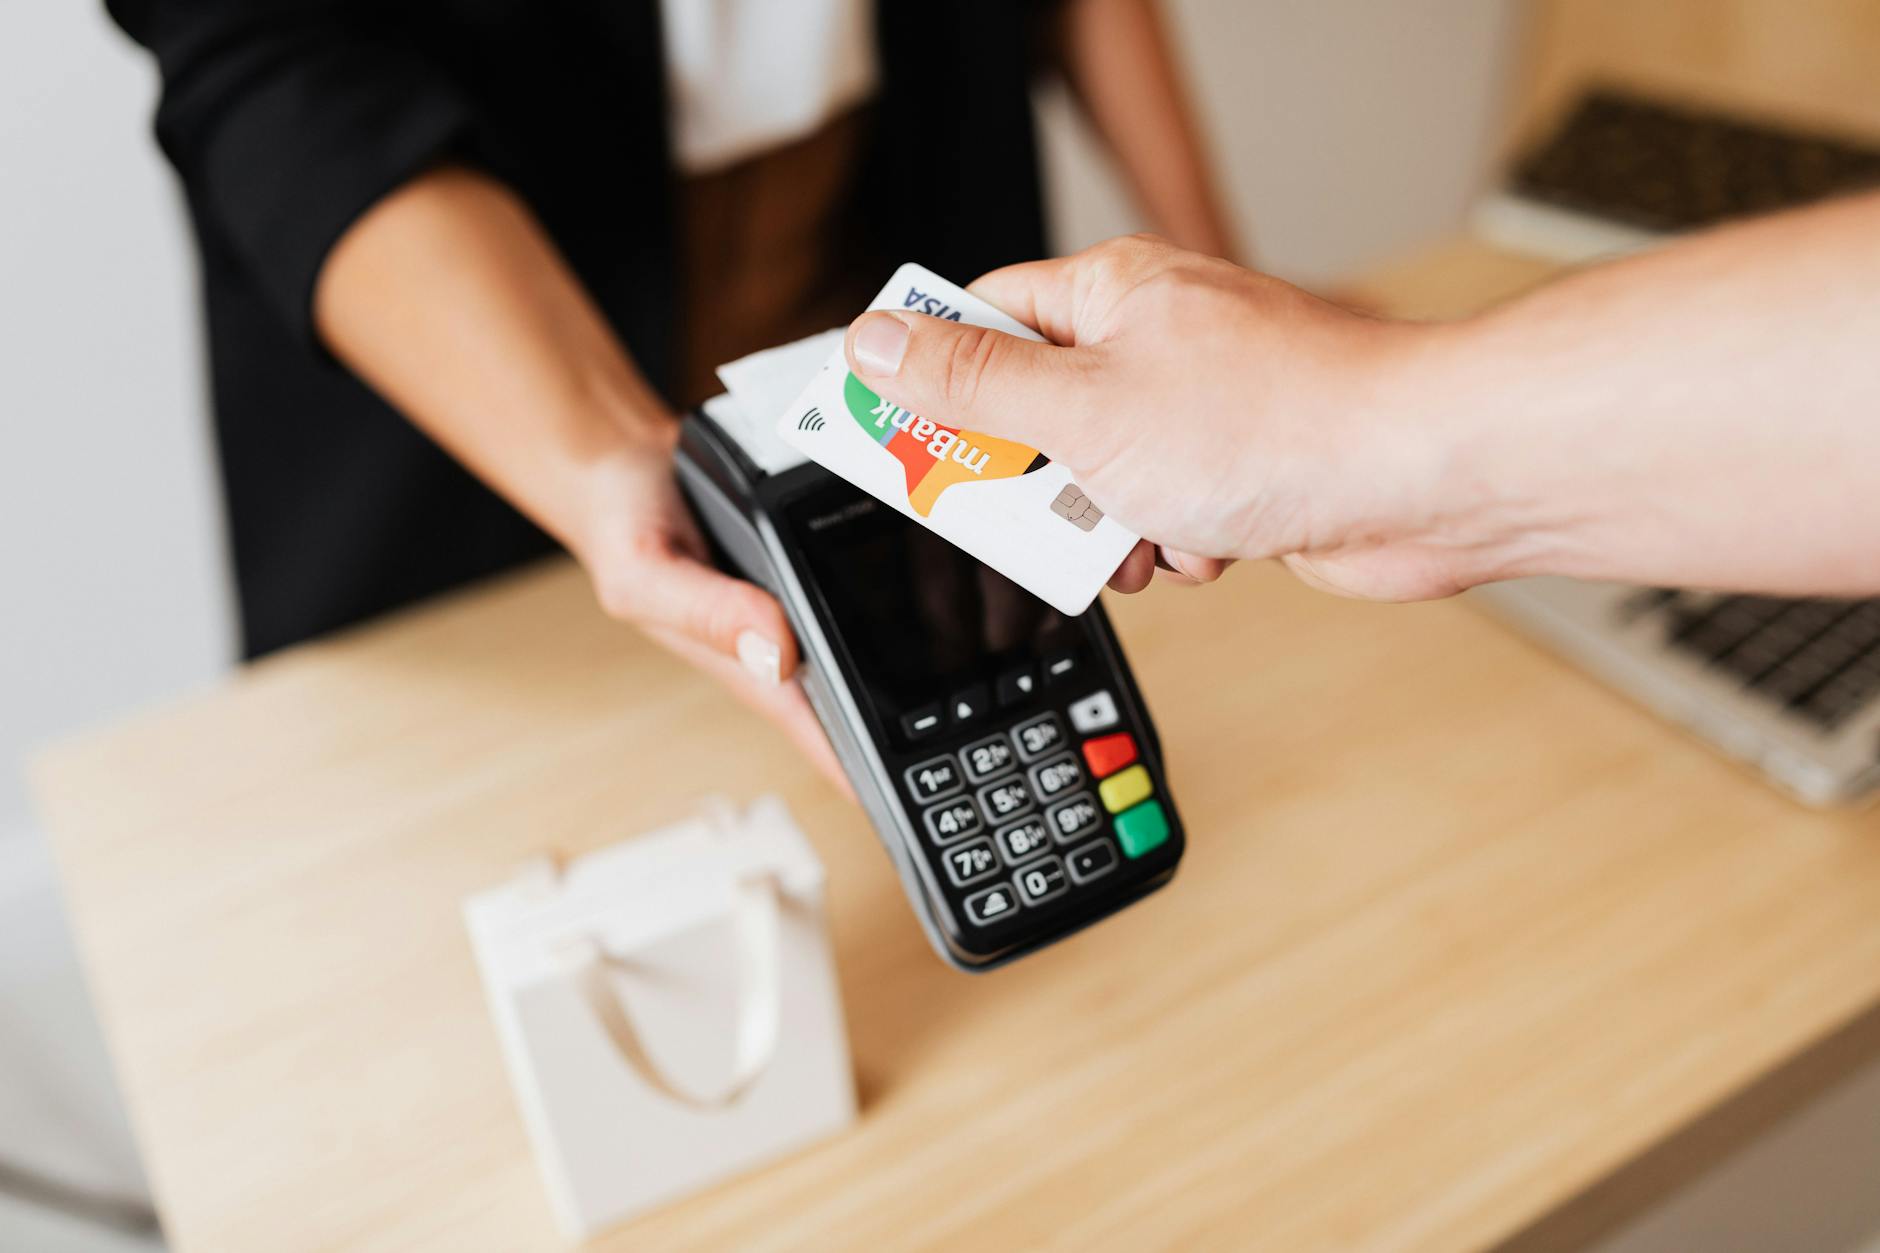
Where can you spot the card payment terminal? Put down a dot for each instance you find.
(1000, 748)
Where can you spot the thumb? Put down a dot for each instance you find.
(669, 591)
(964, 375)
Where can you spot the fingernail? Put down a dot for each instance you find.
(760, 657)
(880, 343)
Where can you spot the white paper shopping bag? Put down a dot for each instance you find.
(668, 1010)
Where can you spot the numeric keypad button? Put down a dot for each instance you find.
(1038, 737)
(1074, 818)
(987, 759)
(1041, 880)
(1022, 840)
(932, 779)
(954, 820)
(987, 907)
(1092, 861)
(1008, 798)
(1053, 778)
(968, 863)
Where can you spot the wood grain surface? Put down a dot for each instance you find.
(1460, 935)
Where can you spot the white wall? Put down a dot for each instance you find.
(1347, 130)
(113, 591)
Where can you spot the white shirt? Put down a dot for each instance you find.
(745, 76)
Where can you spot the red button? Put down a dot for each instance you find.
(1109, 753)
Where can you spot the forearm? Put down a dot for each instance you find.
(1707, 414)
(450, 301)
(1121, 67)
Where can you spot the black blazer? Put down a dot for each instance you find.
(287, 118)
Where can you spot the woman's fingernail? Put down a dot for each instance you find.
(760, 657)
(880, 343)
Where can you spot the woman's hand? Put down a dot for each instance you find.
(450, 300)
(650, 568)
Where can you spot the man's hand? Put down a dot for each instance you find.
(1220, 413)
(1697, 416)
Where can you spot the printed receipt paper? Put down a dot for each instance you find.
(1001, 501)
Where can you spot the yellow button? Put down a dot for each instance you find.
(1120, 791)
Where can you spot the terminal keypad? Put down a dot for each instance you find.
(1052, 805)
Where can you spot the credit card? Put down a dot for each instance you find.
(998, 499)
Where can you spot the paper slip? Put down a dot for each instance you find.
(760, 385)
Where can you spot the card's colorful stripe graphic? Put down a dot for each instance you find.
(934, 457)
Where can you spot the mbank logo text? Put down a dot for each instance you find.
(933, 456)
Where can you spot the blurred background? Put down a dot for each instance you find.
(1347, 131)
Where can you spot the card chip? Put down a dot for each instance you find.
(1075, 507)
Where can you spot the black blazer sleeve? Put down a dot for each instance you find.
(287, 119)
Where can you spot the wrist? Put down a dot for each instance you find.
(1490, 498)
(616, 491)
(610, 439)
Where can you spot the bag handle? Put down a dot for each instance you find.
(758, 931)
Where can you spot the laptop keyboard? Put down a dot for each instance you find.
(1818, 658)
(1668, 167)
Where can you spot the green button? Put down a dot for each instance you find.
(1140, 829)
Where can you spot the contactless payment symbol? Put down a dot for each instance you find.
(935, 457)
(811, 421)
